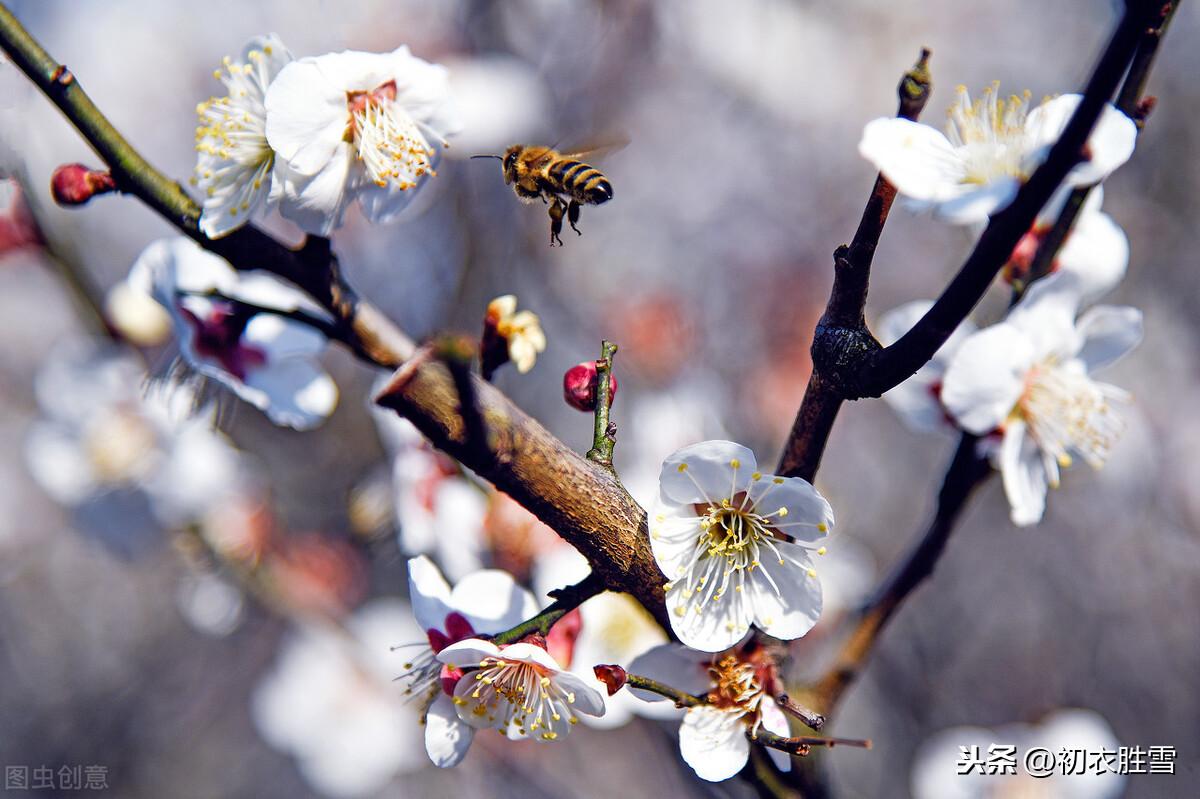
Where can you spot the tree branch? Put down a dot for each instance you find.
(566, 600)
(843, 325)
(604, 433)
(680, 698)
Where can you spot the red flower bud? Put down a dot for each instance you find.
(612, 675)
(75, 184)
(580, 384)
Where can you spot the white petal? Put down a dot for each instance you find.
(916, 400)
(530, 653)
(358, 71)
(492, 601)
(986, 377)
(1109, 333)
(280, 338)
(788, 604)
(1110, 144)
(317, 204)
(917, 159)
(1046, 315)
(675, 665)
(307, 116)
(587, 699)
(977, 203)
(713, 742)
(705, 472)
(57, 461)
(717, 625)
(429, 593)
(1024, 474)
(447, 738)
(468, 653)
(674, 535)
(774, 720)
(793, 507)
(1096, 250)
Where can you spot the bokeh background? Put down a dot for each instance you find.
(141, 652)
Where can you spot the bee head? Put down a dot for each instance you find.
(510, 163)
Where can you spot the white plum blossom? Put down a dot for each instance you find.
(991, 146)
(713, 736)
(733, 543)
(483, 603)
(331, 704)
(521, 331)
(917, 401)
(234, 165)
(230, 327)
(937, 774)
(1029, 378)
(353, 125)
(105, 432)
(518, 689)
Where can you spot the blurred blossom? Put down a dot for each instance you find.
(510, 335)
(235, 164)
(356, 126)
(515, 537)
(241, 529)
(712, 737)
(210, 604)
(315, 573)
(240, 338)
(331, 703)
(17, 226)
(502, 101)
(917, 401)
(104, 431)
(484, 602)
(734, 544)
(1029, 377)
(615, 629)
(518, 689)
(936, 774)
(136, 315)
(990, 148)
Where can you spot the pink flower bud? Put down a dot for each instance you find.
(580, 384)
(75, 184)
(612, 675)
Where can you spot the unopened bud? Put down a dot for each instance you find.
(75, 184)
(581, 383)
(612, 676)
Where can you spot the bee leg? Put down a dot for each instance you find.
(573, 215)
(556, 218)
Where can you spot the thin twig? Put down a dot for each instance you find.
(681, 698)
(803, 744)
(567, 599)
(811, 718)
(603, 432)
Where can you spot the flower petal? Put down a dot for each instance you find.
(1097, 251)
(706, 472)
(470, 652)
(492, 601)
(774, 720)
(786, 595)
(1023, 471)
(587, 699)
(713, 742)
(317, 203)
(429, 594)
(977, 203)
(1109, 333)
(986, 377)
(717, 624)
(917, 159)
(447, 738)
(678, 666)
(674, 536)
(1109, 145)
(307, 116)
(793, 507)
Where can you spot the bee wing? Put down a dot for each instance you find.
(597, 149)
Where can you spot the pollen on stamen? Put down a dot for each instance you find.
(682, 468)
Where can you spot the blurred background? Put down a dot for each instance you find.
(170, 639)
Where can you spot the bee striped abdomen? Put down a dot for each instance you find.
(583, 182)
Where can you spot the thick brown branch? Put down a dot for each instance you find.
(582, 501)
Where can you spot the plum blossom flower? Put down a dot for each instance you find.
(936, 772)
(234, 162)
(482, 603)
(230, 328)
(917, 401)
(330, 703)
(108, 445)
(511, 335)
(734, 544)
(1029, 377)
(353, 125)
(713, 736)
(519, 690)
(991, 146)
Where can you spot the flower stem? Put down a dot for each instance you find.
(681, 698)
(566, 600)
(604, 433)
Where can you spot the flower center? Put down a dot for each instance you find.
(735, 686)
(520, 694)
(989, 134)
(1069, 412)
(734, 533)
(389, 143)
(218, 335)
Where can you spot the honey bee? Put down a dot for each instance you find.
(563, 180)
